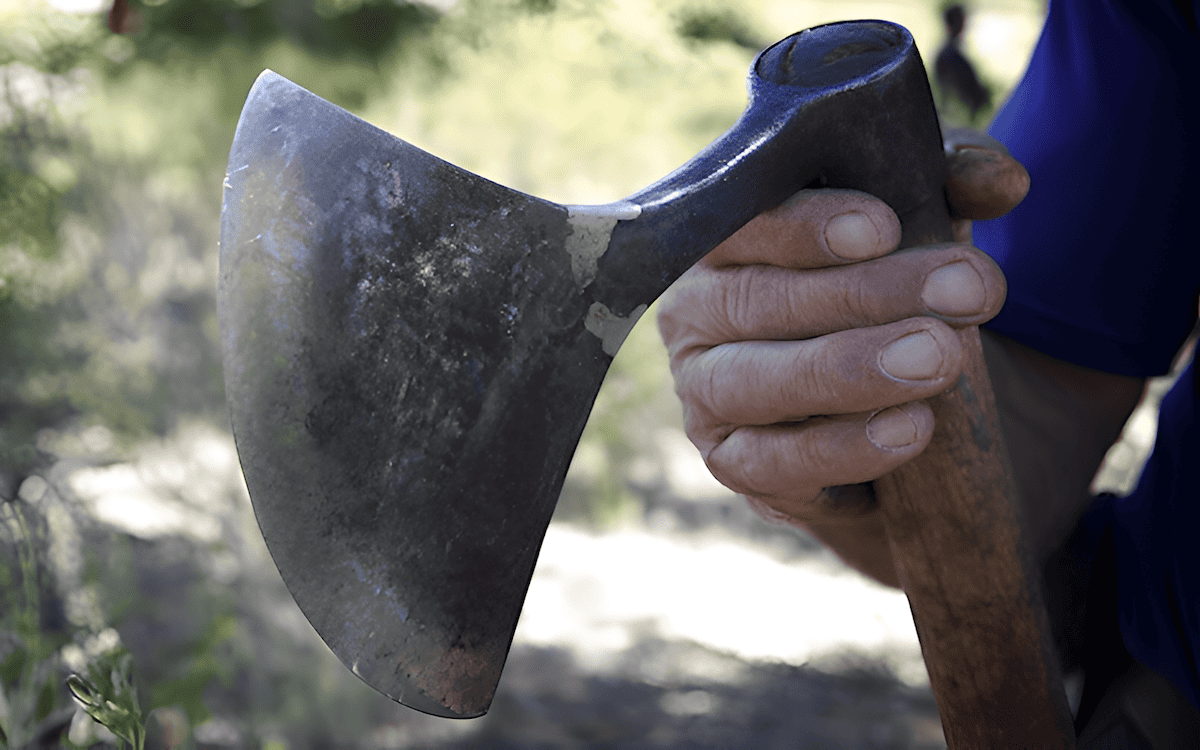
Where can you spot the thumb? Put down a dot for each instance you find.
(983, 180)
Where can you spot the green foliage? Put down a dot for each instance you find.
(37, 192)
(32, 704)
(364, 28)
(539, 6)
(26, 665)
(28, 208)
(28, 697)
(717, 24)
(109, 696)
(201, 666)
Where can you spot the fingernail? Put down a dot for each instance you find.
(956, 289)
(891, 428)
(852, 236)
(916, 356)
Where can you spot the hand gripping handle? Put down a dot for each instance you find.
(952, 514)
(848, 105)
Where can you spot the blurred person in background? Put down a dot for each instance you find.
(953, 73)
(802, 363)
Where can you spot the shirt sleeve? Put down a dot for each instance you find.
(1158, 560)
(1103, 266)
(1102, 256)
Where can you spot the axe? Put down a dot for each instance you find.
(411, 352)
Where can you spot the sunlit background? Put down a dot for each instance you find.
(662, 613)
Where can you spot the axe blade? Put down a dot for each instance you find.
(411, 351)
(383, 313)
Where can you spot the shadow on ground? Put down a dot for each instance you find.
(218, 643)
(662, 694)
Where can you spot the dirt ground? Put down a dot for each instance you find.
(666, 691)
(646, 699)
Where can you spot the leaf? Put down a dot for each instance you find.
(109, 696)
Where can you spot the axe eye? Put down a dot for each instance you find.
(829, 55)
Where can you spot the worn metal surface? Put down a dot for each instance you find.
(400, 347)
(411, 351)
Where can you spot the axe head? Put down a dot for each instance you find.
(390, 323)
(411, 351)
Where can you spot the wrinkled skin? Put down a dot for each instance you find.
(803, 351)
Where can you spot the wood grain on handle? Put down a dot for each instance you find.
(963, 560)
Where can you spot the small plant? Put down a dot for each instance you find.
(109, 696)
(28, 698)
(29, 705)
(34, 709)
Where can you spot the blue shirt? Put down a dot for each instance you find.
(1103, 266)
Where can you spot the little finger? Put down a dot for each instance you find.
(784, 461)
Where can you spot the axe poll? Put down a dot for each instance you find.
(411, 353)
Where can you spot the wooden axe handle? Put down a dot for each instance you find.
(952, 514)
(964, 561)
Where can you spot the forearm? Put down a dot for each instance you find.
(1059, 420)
(861, 542)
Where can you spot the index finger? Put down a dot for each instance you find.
(813, 229)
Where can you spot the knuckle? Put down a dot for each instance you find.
(675, 324)
(827, 374)
(813, 375)
(817, 457)
(700, 430)
(738, 303)
(685, 320)
(699, 390)
(737, 463)
(859, 302)
(695, 381)
(774, 461)
(853, 300)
